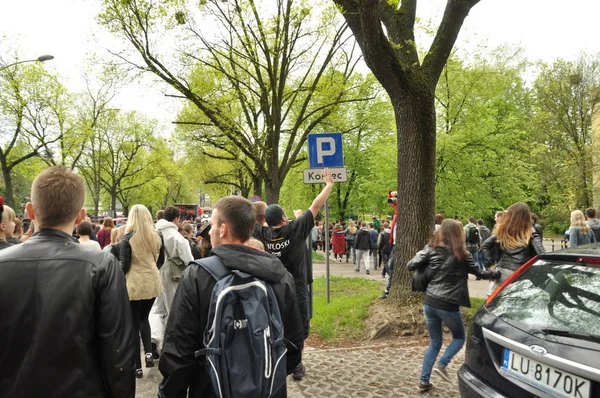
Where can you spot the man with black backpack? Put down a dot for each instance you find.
(473, 238)
(232, 317)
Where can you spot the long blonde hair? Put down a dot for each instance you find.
(352, 227)
(515, 227)
(578, 220)
(140, 221)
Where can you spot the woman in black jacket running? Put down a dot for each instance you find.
(447, 263)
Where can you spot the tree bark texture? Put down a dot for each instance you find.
(392, 56)
(415, 120)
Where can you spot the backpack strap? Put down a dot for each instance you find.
(214, 266)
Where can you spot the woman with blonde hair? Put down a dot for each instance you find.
(442, 272)
(580, 233)
(141, 256)
(514, 242)
(350, 232)
(104, 235)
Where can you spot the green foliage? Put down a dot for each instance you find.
(566, 92)
(483, 139)
(343, 317)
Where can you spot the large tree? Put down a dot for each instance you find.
(384, 30)
(261, 74)
(565, 94)
(27, 119)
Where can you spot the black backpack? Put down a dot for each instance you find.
(386, 246)
(473, 236)
(244, 342)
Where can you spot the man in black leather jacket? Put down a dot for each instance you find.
(233, 218)
(66, 326)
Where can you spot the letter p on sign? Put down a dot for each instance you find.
(321, 145)
(325, 150)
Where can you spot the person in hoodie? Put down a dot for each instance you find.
(362, 244)
(232, 221)
(177, 250)
(592, 220)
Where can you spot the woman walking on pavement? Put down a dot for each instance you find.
(350, 236)
(141, 255)
(513, 243)
(446, 264)
(338, 242)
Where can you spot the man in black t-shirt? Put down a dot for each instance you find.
(287, 240)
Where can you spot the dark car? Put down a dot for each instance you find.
(538, 334)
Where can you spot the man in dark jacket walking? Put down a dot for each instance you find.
(66, 322)
(232, 221)
(287, 240)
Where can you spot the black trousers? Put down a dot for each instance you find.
(140, 310)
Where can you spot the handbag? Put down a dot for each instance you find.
(424, 275)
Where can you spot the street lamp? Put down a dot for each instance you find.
(41, 58)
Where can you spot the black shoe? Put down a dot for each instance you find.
(139, 373)
(368, 272)
(424, 386)
(384, 295)
(155, 354)
(299, 372)
(149, 360)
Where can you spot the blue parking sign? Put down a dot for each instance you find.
(325, 150)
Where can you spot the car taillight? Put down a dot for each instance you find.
(510, 279)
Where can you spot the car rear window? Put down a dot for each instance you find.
(552, 294)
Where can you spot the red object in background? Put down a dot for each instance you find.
(200, 211)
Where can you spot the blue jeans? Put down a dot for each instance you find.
(390, 269)
(480, 260)
(434, 318)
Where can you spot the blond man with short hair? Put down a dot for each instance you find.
(7, 226)
(66, 321)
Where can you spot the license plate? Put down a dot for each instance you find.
(555, 382)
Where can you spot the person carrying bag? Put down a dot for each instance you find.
(441, 271)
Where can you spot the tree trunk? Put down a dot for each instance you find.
(415, 121)
(273, 189)
(113, 203)
(257, 183)
(9, 195)
(96, 205)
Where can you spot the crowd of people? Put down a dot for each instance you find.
(80, 301)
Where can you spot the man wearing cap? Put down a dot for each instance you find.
(287, 240)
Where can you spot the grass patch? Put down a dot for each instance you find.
(316, 256)
(343, 317)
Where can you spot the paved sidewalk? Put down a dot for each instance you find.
(372, 371)
(375, 371)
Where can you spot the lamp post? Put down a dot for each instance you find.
(41, 58)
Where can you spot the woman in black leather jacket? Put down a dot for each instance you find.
(447, 263)
(513, 243)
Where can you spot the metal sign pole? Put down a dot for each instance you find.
(326, 228)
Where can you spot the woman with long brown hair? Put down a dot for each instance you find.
(446, 264)
(514, 241)
(104, 235)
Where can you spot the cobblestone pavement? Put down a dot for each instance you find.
(371, 371)
(375, 371)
